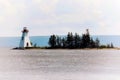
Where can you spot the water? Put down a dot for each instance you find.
(14, 41)
(43, 40)
(59, 64)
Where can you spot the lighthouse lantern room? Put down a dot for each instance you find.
(25, 41)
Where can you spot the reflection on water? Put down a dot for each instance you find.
(59, 64)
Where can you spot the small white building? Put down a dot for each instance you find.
(25, 41)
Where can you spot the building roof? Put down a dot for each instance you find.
(25, 29)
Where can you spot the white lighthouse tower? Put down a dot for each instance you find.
(25, 41)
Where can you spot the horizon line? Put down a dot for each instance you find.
(60, 35)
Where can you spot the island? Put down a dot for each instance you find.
(70, 41)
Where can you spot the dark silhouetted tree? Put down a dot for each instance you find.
(77, 41)
(58, 42)
(86, 40)
(70, 40)
(52, 41)
(92, 43)
(64, 43)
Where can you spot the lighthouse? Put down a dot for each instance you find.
(25, 41)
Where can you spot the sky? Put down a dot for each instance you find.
(46, 17)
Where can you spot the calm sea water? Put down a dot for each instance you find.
(59, 64)
(43, 40)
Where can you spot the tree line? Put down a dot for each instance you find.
(76, 41)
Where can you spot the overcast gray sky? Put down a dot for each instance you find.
(46, 17)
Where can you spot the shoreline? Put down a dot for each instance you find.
(44, 48)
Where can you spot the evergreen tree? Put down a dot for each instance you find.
(112, 46)
(58, 41)
(92, 43)
(64, 43)
(87, 38)
(77, 41)
(70, 40)
(85, 41)
(52, 41)
(97, 43)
